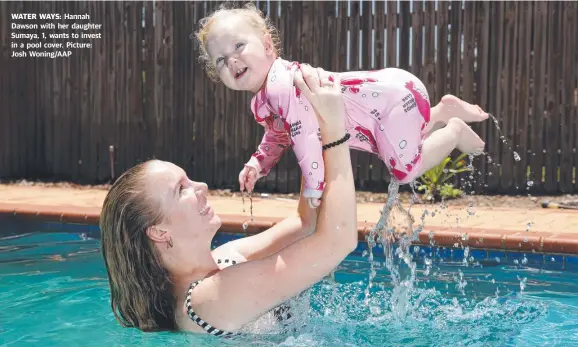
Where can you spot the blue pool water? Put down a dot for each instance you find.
(54, 292)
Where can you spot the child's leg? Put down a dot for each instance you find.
(457, 134)
(399, 136)
(453, 107)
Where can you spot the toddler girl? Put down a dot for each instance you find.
(388, 110)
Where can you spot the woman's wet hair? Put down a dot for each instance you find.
(140, 287)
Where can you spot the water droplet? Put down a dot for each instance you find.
(364, 254)
(523, 284)
(497, 259)
(470, 209)
(375, 310)
(245, 226)
(516, 261)
(516, 156)
(530, 183)
(524, 260)
(465, 237)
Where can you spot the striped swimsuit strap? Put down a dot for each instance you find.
(282, 312)
(193, 316)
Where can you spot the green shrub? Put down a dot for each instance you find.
(433, 182)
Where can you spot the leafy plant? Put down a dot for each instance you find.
(433, 182)
(448, 191)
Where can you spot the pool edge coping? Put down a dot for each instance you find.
(478, 238)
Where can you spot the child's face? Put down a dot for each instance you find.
(242, 56)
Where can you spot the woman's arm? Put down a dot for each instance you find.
(241, 293)
(274, 239)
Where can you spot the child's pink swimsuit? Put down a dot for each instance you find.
(387, 111)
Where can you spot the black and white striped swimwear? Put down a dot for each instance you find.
(282, 312)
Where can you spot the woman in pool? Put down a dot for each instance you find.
(157, 229)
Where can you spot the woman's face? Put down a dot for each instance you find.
(188, 217)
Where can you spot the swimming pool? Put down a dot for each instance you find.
(54, 292)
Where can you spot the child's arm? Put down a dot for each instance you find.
(269, 151)
(307, 147)
(301, 122)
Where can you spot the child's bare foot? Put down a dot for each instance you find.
(468, 141)
(453, 107)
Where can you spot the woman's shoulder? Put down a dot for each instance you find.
(187, 318)
(292, 312)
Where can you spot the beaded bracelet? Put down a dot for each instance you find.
(337, 143)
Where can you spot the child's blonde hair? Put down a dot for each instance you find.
(253, 16)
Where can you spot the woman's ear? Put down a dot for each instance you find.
(157, 235)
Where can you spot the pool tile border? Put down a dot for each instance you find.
(455, 238)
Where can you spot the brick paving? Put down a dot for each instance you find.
(500, 227)
(500, 218)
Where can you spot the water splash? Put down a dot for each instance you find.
(471, 211)
(467, 259)
(428, 265)
(399, 260)
(502, 137)
(461, 283)
(522, 284)
(250, 208)
(517, 157)
(524, 260)
(400, 263)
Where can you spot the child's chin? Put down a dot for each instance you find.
(240, 86)
(244, 82)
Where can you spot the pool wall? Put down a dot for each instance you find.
(551, 251)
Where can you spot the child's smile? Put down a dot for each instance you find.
(240, 72)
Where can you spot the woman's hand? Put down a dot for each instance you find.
(324, 93)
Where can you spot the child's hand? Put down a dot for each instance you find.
(314, 202)
(247, 178)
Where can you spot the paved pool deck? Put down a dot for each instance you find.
(537, 229)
